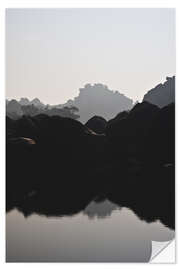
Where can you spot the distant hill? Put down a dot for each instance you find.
(162, 94)
(36, 102)
(15, 109)
(97, 99)
(24, 101)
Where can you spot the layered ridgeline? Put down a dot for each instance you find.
(93, 100)
(15, 109)
(97, 99)
(162, 94)
(56, 166)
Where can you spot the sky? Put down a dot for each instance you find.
(51, 53)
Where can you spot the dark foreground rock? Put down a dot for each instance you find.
(128, 131)
(97, 124)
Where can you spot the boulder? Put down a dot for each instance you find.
(97, 124)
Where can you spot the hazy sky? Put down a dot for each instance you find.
(51, 53)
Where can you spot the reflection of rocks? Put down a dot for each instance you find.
(150, 194)
(67, 165)
(59, 204)
(100, 209)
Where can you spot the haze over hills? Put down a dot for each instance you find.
(93, 100)
(15, 109)
(162, 94)
(97, 99)
(36, 102)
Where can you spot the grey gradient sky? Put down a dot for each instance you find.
(51, 53)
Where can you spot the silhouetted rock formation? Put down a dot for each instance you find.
(118, 117)
(127, 131)
(162, 94)
(161, 137)
(97, 99)
(97, 124)
(10, 127)
(57, 165)
(62, 146)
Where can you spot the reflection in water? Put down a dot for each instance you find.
(75, 195)
(74, 223)
(100, 209)
(71, 224)
(116, 235)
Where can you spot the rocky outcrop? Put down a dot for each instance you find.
(97, 124)
(162, 94)
(127, 132)
(57, 165)
(160, 146)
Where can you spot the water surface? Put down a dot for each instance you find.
(102, 232)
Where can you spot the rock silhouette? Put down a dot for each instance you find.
(52, 156)
(162, 94)
(127, 132)
(161, 136)
(97, 124)
(56, 166)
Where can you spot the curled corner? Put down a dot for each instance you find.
(163, 252)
